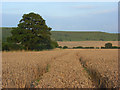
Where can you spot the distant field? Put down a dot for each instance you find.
(72, 36)
(71, 44)
(83, 36)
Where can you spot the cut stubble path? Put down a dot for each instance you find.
(60, 68)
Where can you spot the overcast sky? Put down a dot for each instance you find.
(66, 16)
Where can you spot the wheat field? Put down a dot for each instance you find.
(71, 44)
(60, 68)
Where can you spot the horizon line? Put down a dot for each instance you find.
(75, 30)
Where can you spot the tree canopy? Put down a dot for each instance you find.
(108, 45)
(32, 33)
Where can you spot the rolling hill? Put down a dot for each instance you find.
(72, 35)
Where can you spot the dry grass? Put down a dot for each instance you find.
(57, 68)
(71, 44)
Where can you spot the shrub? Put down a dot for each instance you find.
(83, 47)
(51, 45)
(97, 47)
(5, 47)
(91, 47)
(102, 47)
(54, 44)
(59, 46)
(40, 47)
(8, 46)
(114, 47)
(88, 47)
(65, 47)
(74, 47)
(11, 46)
(78, 47)
(108, 45)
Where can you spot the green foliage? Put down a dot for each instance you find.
(32, 33)
(59, 46)
(5, 47)
(54, 44)
(65, 47)
(83, 47)
(77, 47)
(113, 47)
(108, 45)
(11, 46)
(88, 47)
(102, 47)
(97, 47)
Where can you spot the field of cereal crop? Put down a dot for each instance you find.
(71, 44)
(60, 68)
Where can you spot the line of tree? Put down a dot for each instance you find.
(110, 46)
(32, 33)
(107, 46)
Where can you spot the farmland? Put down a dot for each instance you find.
(72, 36)
(63, 68)
(72, 44)
(60, 68)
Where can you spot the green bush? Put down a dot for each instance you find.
(102, 47)
(88, 47)
(108, 45)
(54, 44)
(77, 47)
(83, 47)
(59, 46)
(65, 47)
(97, 47)
(7, 46)
(40, 47)
(11, 46)
(114, 47)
